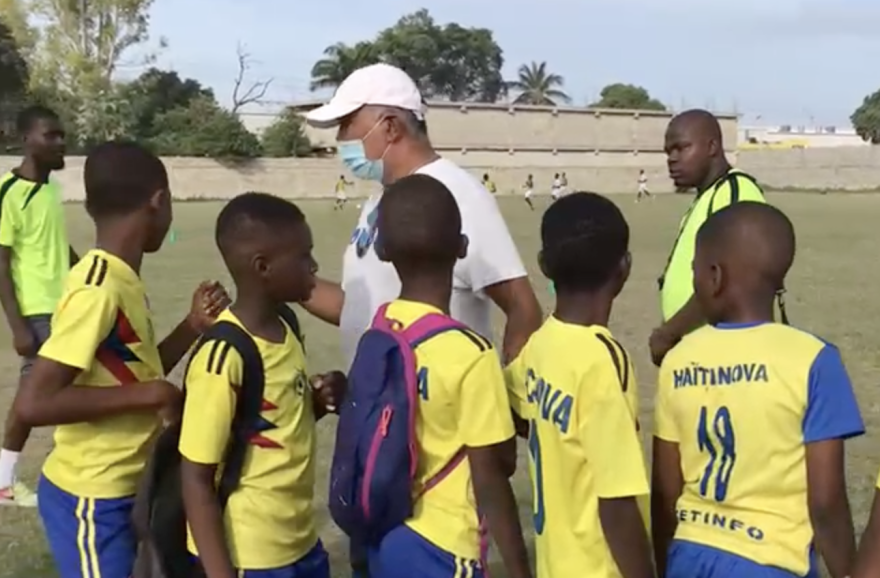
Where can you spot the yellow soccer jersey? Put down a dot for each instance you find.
(742, 401)
(103, 327)
(462, 403)
(269, 518)
(576, 387)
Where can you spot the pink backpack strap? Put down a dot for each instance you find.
(430, 325)
(380, 320)
(444, 472)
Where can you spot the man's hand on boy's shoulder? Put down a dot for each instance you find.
(328, 390)
(209, 300)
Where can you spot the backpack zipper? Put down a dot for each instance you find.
(380, 434)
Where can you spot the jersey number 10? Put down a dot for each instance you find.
(719, 442)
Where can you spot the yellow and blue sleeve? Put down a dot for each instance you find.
(83, 320)
(210, 385)
(608, 435)
(484, 409)
(832, 409)
(664, 418)
(515, 377)
(10, 219)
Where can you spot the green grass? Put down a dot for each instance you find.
(831, 292)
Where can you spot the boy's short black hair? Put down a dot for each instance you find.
(121, 176)
(419, 223)
(249, 209)
(584, 237)
(28, 117)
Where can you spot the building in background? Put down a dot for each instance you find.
(793, 137)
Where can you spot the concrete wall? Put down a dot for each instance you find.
(836, 168)
(500, 127)
(856, 168)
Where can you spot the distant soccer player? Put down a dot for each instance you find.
(529, 188)
(751, 418)
(643, 186)
(35, 259)
(100, 376)
(341, 196)
(489, 184)
(574, 387)
(268, 528)
(462, 404)
(563, 179)
(556, 190)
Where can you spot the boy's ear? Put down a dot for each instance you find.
(158, 198)
(463, 247)
(623, 272)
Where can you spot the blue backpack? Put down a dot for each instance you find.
(372, 478)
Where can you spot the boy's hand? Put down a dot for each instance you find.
(165, 398)
(329, 390)
(23, 341)
(661, 341)
(210, 298)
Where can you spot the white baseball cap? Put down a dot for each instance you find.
(377, 84)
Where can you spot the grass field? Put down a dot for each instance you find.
(831, 292)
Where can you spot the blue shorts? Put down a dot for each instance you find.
(691, 560)
(315, 564)
(88, 537)
(403, 553)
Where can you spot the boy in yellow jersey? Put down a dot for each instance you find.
(462, 404)
(99, 376)
(341, 197)
(489, 184)
(267, 529)
(751, 418)
(34, 261)
(574, 387)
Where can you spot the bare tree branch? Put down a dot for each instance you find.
(255, 92)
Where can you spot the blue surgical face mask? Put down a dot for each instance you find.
(354, 157)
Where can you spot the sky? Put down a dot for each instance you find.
(798, 62)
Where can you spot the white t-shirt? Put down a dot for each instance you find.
(491, 258)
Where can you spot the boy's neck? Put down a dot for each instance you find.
(120, 239)
(30, 170)
(433, 290)
(583, 307)
(257, 313)
(749, 313)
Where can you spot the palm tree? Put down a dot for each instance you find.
(538, 86)
(339, 61)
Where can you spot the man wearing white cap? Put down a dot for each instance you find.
(382, 136)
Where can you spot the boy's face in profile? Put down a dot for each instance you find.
(287, 267)
(160, 217)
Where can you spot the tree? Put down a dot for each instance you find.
(80, 45)
(339, 61)
(13, 68)
(629, 96)
(13, 82)
(286, 137)
(203, 129)
(244, 93)
(536, 85)
(156, 92)
(866, 118)
(447, 62)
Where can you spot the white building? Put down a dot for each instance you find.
(789, 136)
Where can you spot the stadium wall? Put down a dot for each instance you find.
(852, 168)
